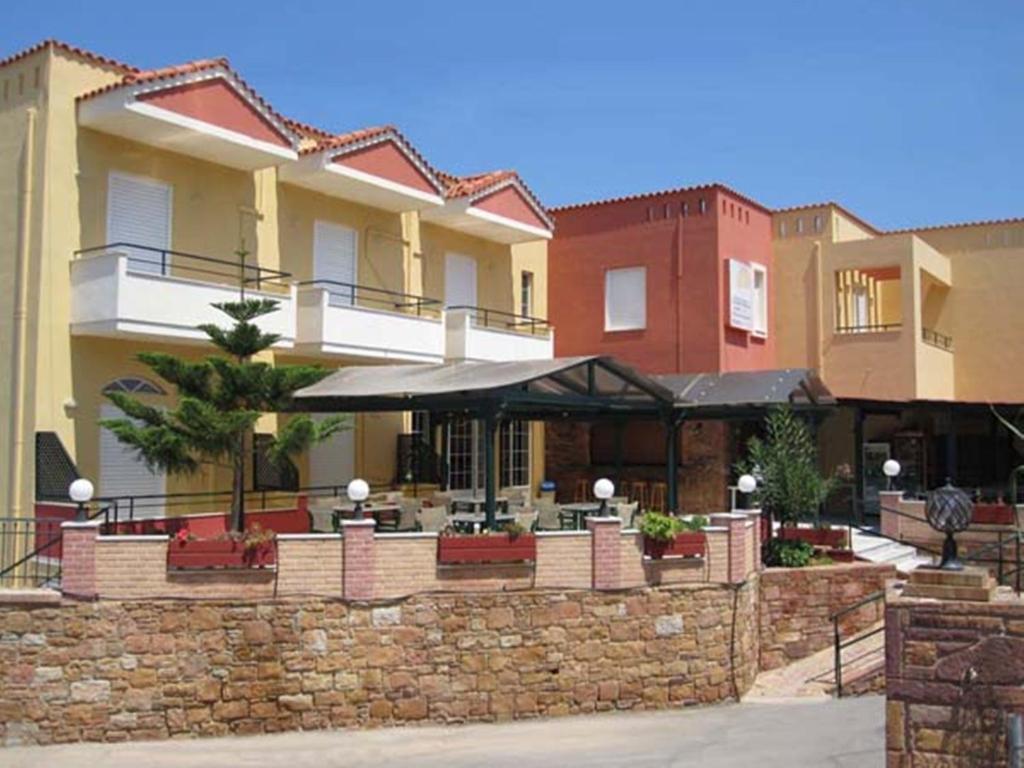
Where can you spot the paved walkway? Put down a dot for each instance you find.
(814, 676)
(809, 732)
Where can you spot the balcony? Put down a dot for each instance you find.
(124, 290)
(362, 322)
(476, 333)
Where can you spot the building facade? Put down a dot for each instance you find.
(669, 282)
(130, 200)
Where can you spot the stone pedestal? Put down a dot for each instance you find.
(972, 583)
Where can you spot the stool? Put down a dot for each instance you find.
(638, 493)
(658, 497)
(582, 488)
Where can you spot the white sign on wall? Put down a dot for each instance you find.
(741, 295)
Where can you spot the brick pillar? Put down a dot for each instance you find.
(736, 522)
(357, 544)
(754, 516)
(890, 521)
(78, 558)
(606, 544)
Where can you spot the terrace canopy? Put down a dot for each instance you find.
(583, 388)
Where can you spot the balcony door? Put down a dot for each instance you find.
(123, 473)
(335, 252)
(332, 462)
(139, 213)
(459, 280)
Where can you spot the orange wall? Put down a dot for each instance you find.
(687, 285)
(385, 160)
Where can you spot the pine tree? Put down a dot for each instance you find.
(219, 401)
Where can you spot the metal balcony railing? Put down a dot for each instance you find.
(936, 339)
(506, 321)
(352, 295)
(165, 262)
(869, 328)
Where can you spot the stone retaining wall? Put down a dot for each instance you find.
(797, 605)
(953, 672)
(114, 670)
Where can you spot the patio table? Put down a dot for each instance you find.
(580, 511)
(464, 521)
(386, 514)
(475, 505)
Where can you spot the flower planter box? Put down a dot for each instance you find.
(492, 548)
(842, 555)
(993, 514)
(683, 545)
(216, 553)
(833, 538)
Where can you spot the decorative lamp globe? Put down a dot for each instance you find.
(358, 490)
(81, 491)
(746, 484)
(891, 468)
(949, 510)
(604, 489)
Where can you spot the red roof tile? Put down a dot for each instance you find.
(831, 204)
(659, 193)
(958, 225)
(479, 183)
(73, 50)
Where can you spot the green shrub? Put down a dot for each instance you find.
(659, 527)
(696, 523)
(782, 553)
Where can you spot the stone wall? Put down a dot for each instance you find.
(114, 670)
(953, 672)
(797, 605)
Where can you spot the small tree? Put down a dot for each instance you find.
(786, 459)
(219, 401)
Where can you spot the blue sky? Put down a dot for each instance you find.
(909, 113)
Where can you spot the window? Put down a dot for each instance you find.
(668, 210)
(817, 223)
(625, 299)
(133, 385)
(782, 228)
(684, 209)
(514, 439)
(760, 300)
(526, 294)
(702, 206)
(799, 225)
(465, 455)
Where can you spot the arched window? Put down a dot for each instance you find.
(133, 385)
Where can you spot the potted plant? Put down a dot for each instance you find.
(791, 487)
(667, 536)
(255, 548)
(511, 545)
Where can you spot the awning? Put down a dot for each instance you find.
(568, 386)
(740, 394)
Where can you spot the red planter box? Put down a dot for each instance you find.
(493, 548)
(993, 514)
(842, 555)
(683, 545)
(833, 538)
(216, 553)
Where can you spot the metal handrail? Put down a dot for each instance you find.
(484, 316)
(394, 300)
(936, 339)
(839, 645)
(260, 275)
(869, 328)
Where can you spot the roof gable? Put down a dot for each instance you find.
(386, 155)
(511, 203)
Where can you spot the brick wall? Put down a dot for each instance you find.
(109, 670)
(953, 672)
(797, 605)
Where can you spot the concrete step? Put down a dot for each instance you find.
(878, 549)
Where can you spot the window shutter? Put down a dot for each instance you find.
(625, 299)
(334, 258)
(139, 212)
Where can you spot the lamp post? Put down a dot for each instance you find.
(81, 491)
(604, 489)
(746, 485)
(358, 490)
(949, 510)
(891, 469)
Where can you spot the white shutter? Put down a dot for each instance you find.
(459, 280)
(334, 259)
(139, 212)
(625, 299)
(123, 473)
(332, 462)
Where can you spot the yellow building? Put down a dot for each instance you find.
(916, 332)
(130, 200)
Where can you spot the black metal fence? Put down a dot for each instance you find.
(352, 295)
(30, 552)
(506, 321)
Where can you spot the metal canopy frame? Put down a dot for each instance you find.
(575, 388)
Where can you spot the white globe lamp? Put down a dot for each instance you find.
(358, 490)
(891, 469)
(746, 484)
(81, 491)
(604, 489)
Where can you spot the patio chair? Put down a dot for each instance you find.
(432, 519)
(443, 500)
(527, 519)
(408, 514)
(629, 514)
(548, 515)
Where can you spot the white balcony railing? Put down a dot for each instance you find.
(357, 321)
(473, 333)
(128, 290)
